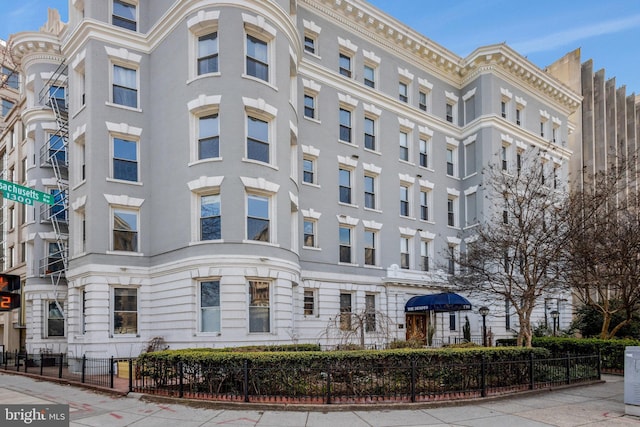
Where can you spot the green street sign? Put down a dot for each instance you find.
(26, 195)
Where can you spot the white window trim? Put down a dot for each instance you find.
(203, 186)
(199, 331)
(200, 107)
(203, 23)
(129, 133)
(271, 304)
(132, 3)
(112, 301)
(258, 27)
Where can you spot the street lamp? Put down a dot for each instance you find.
(483, 312)
(554, 315)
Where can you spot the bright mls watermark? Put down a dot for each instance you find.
(34, 415)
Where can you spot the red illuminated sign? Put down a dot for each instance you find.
(9, 301)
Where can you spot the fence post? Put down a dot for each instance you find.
(16, 361)
(531, 372)
(111, 372)
(328, 384)
(130, 375)
(41, 363)
(413, 380)
(84, 363)
(60, 365)
(245, 368)
(599, 364)
(180, 379)
(568, 368)
(26, 360)
(483, 376)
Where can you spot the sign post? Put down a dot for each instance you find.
(26, 195)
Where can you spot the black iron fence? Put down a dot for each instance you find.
(362, 382)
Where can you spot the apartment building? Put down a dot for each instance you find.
(229, 174)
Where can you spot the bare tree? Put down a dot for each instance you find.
(516, 251)
(604, 249)
(9, 73)
(353, 328)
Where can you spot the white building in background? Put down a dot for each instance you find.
(231, 173)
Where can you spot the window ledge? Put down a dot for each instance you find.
(348, 205)
(205, 242)
(258, 242)
(373, 267)
(314, 55)
(312, 248)
(258, 162)
(350, 144)
(124, 181)
(203, 76)
(348, 264)
(311, 184)
(372, 210)
(125, 253)
(413, 218)
(312, 119)
(368, 150)
(207, 160)
(124, 107)
(407, 162)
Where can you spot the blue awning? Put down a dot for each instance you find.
(437, 302)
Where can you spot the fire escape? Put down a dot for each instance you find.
(53, 154)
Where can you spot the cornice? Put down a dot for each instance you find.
(32, 46)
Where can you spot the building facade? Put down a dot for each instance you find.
(270, 171)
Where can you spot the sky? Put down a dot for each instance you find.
(606, 31)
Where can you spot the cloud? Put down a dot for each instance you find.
(563, 38)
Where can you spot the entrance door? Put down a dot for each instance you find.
(417, 326)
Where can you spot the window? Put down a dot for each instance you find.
(554, 134)
(519, 116)
(449, 112)
(308, 170)
(258, 218)
(57, 149)
(208, 137)
(6, 107)
(310, 233)
(55, 254)
(345, 185)
(309, 106)
(542, 128)
(503, 109)
(259, 306)
(345, 125)
(309, 44)
(124, 15)
(345, 244)
(210, 221)
(369, 133)
(344, 63)
(57, 96)
(403, 92)
(505, 217)
(555, 177)
(369, 76)
(471, 201)
(83, 312)
(125, 159)
(503, 158)
(55, 319)
(345, 311)
(422, 101)
(125, 311)
(519, 161)
(404, 253)
(10, 77)
(450, 162)
(470, 157)
(125, 86)
(452, 321)
(369, 247)
(451, 212)
(210, 306)
(404, 146)
(424, 153)
(257, 58)
(208, 54)
(404, 200)
(424, 255)
(125, 230)
(257, 139)
(424, 205)
(452, 260)
(370, 313)
(309, 302)
(369, 192)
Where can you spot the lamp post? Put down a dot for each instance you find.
(554, 315)
(483, 312)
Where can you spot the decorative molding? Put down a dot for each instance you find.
(205, 183)
(123, 200)
(260, 184)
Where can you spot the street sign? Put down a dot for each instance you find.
(26, 195)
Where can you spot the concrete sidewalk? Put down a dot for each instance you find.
(595, 405)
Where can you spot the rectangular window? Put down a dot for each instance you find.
(308, 171)
(57, 96)
(208, 54)
(542, 129)
(310, 233)
(309, 44)
(403, 92)
(345, 186)
(470, 158)
(554, 134)
(404, 200)
(57, 149)
(345, 311)
(259, 306)
(452, 260)
(369, 133)
(519, 161)
(369, 247)
(345, 244)
(452, 321)
(125, 311)
(6, 107)
(370, 313)
(83, 313)
(309, 106)
(10, 77)
(451, 216)
(503, 109)
(257, 58)
(424, 206)
(309, 308)
(124, 15)
(345, 65)
(404, 146)
(55, 254)
(422, 101)
(257, 139)
(424, 255)
(449, 113)
(55, 319)
(369, 192)
(503, 158)
(369, 76)
(208, 137)
(345, 125)
(258, 218)
(471, 208)
(125, 230)
(210, 306)
(210, 226)
(505, 217)
(404, 253)
(424, 153)
(125, 160)
(125, 86)
(519, 116)
(450, 162)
